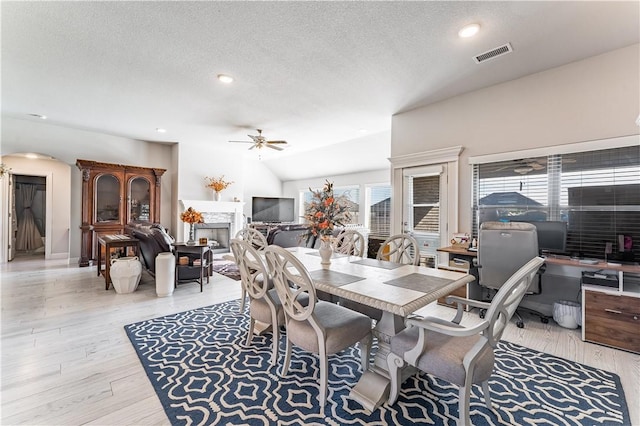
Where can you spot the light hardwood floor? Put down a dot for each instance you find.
(66, 359)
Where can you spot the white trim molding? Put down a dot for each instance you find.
(594, 145)
(451, 157)
(436, 156)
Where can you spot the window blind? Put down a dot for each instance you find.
(597, 193)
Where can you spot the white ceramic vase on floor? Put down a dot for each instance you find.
(125, 274)
(165, 274)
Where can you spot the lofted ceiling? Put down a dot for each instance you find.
(312, 73)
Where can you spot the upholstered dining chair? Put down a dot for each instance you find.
(259, 242)
(349, 242)
(400, 248)
(264, 304)
(459, 354)
(319, 327)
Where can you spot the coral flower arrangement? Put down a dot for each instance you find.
(217, 184)
(326, 211)
(191, 216)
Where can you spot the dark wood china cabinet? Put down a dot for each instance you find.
(114, 195)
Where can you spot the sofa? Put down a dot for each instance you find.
(291, 236)
(154, 239)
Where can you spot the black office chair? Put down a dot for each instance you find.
(503, 249)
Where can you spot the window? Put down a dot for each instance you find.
(596, 192)
(379, 201)
(352, 193)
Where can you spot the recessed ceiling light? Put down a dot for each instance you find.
(469, 30)
(40, 116)
(31, 156)
(363, 130)
(161, 130)
(225, 78)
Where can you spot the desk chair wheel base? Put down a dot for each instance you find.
(519, 322)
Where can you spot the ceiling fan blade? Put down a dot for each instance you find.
(277, 148)
(282, 142)
(252, 146)
(241, 142)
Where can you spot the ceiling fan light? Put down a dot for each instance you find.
(523, 170)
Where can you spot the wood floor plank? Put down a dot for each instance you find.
(66, 358)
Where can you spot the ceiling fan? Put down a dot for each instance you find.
(524, 166)
(260, 141)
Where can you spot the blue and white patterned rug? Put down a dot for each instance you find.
(204, 374)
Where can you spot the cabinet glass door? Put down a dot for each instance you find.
(139, 199)
(107, 199)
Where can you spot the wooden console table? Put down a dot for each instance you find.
(110, 242)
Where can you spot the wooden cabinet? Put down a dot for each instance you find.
(114, 195)
(612, 320)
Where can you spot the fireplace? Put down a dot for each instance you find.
(223, 217)
(220, 232)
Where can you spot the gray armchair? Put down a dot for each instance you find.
(503, 248)
(459, 354)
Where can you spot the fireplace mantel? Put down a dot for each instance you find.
(234, 209)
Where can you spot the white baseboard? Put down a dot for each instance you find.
(57, 256)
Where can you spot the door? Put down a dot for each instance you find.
(13, 218)
(425, 207)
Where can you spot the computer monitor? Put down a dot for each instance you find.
(552, 236)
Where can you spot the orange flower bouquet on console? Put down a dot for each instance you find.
(191, 217)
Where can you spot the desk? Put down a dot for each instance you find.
(397, 292)
(471, 290)
(110, 242)
(610, 315)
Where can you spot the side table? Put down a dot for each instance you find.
(110, 242)
(205, 255)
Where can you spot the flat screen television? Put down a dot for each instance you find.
(272, 209)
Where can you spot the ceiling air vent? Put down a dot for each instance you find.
(493, 53)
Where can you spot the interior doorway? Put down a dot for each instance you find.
(29, 195)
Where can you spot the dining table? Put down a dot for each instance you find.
(398, 290)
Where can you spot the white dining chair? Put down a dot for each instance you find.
(400, 248)
(264, 303)
(319, 327)
(259, 242)
(349, 242)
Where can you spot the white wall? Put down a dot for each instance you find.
(597, 98)
(198, 159)
(68, 145)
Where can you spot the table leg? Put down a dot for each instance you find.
(99, 258)
(372, 390)
(107, 264)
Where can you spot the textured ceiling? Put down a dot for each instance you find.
(312, 73)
